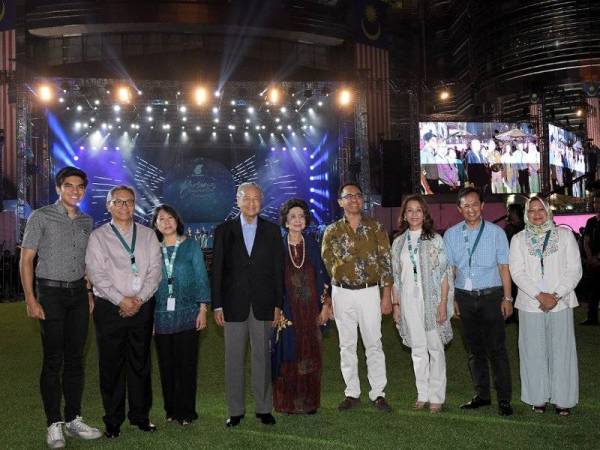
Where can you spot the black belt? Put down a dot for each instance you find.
(479, 292)
(355, 287)
(61, 284)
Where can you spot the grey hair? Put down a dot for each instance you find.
(246, 185)
(121, 187)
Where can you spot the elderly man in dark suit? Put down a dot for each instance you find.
(247, 296)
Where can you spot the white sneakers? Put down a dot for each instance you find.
(55, 438)
(75, 428)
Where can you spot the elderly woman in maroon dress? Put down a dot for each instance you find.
(296, 353)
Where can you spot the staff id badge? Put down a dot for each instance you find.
(468, 284)
(171, 304)
(136, 283)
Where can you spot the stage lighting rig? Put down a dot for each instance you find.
(345, 97)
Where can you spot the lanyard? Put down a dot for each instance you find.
(471, 251)
(412, 253)
(540, 254)
(127, 248)
(169, 263)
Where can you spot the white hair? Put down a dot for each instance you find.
(246, 185)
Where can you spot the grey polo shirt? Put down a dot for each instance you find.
(60, 242)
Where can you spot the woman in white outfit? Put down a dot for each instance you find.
(423, 299)
(546, 266)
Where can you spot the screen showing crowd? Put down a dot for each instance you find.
(567, 161)
(498, 158)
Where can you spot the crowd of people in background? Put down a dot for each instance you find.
(492, 165)
(274, 287)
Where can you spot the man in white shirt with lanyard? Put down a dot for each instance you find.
(123, 261)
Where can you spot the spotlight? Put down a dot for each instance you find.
(283, 109)
(118, 119)
(272, 149)
(184, 119)
(96, 102)
(232, 102)
(81, 147)
(257, 127)
(217, 94)
(277, 119)
(150, 119)
(345, 97)
(79, 108)
(303, 119)
(284, 149)
(444, 95)
(183, 109)
(250, 110)
(148, 109)
(289, 127)
(298, 102)
(61, 100)
(215, 110)
(319, 103)
(263, 127)
(579, 112)
(197, 127)
(304, 148)
(200, 95)
(274, 95)
(46, 93)
(310, 110)
(116, 108)
(124, 94)
(216, 120)
(76, 158)
(246, 133)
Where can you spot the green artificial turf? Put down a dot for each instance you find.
(23, 422)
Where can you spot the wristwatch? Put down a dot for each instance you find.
(507, 299)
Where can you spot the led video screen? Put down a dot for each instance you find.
(567, 161)
(498, 158)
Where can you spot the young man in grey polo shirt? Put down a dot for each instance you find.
(58, 234)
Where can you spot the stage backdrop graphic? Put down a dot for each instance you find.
(498, 158)
(567, 161)
(200, 179)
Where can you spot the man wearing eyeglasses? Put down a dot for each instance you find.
(356, 253)
(58, 234)
(124, 265)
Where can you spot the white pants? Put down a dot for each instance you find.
(360, 308)
(427, 351)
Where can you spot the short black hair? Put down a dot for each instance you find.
(70, 171)
(427, 136)
(346, 184)
(466, 191)
(173, 213)
(293, 203)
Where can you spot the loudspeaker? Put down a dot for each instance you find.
(395, 173)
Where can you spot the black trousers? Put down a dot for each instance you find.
(483, 329)
(63, 332)
(524, 180)
(178, 364)
(124, 359)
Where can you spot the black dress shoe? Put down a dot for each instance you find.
(266, 419)
(476, 402)
(112, 431)
(233, 421)
(504, 408)
(148, 427)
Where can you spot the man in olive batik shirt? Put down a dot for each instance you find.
(356, 253)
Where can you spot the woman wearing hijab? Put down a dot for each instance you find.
(546, 266)
(423, 299)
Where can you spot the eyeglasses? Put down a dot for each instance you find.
(120, 203)
(357, 196)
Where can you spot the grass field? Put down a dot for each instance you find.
(23, 422)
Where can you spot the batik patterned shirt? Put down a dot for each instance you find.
(357, 257)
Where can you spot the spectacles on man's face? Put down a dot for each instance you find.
(120, 203)
(348, 197)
